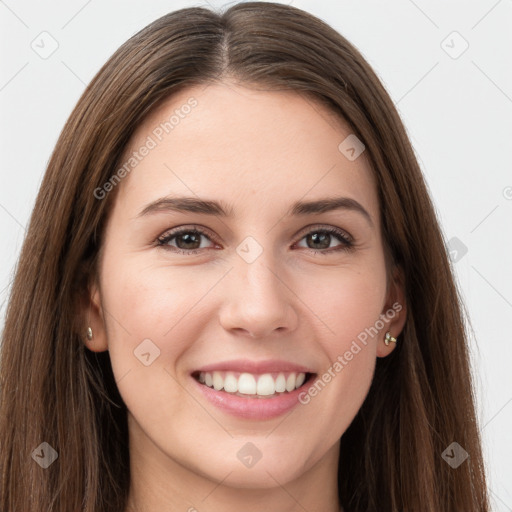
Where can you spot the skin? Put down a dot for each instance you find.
(258, 151)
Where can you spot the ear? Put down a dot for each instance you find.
(95, 320)
(394, 313)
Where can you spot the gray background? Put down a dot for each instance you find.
(456, 104)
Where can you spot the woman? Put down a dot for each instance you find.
(234, 292)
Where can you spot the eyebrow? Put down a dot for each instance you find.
(216, 208)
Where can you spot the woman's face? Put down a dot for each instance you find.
(247, 290)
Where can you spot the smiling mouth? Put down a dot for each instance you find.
(249, 385)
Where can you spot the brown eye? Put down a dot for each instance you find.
(319, 240)
(187, 240)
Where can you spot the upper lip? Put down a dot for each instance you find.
(245, 365)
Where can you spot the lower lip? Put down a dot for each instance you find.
(252, 408)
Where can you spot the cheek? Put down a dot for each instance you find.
(169, 305)
(346, 302)
(358, 309)
(155, 310)
(349, 305)
(349, 347)
(153, 317)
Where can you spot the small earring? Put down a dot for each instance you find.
(89, 333)
(389, 338)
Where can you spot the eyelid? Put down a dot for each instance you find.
(185, 229)
(324, 227)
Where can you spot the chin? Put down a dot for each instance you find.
(271, 470)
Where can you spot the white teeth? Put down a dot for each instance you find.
(218, 381)
(280, 383)
(248, 384)
(301, 377)
(290, 382)
(230, 383)
(266, 385)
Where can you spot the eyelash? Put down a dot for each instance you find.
(347, 243)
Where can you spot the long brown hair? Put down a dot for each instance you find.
(56, 391)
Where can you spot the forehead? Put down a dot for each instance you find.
(246, 147)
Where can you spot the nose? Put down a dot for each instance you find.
(258, 302)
